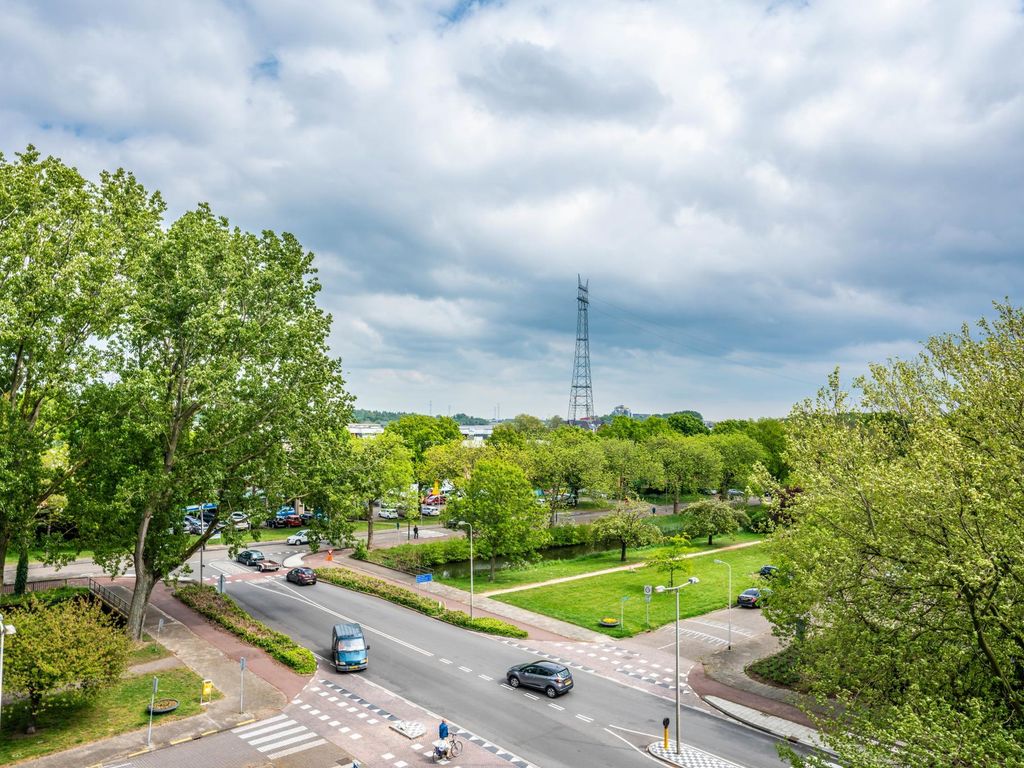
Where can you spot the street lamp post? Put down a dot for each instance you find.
(470, 526)
(728, 602)
(662, 588)
(5, 629)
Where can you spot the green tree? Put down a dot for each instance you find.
(905, 545)
(72, 648)
(215, 369)
(687, 463)
(419, 433)
(739, 454)
(630, 467)
(671, 558)
(507, 435)
(499, 503)
(64, 243)
(450, 461)
(621, 428)
(687, 423)
(710, 517)
(569, 460)
(628, 526)
(380, 468)
(771, 434)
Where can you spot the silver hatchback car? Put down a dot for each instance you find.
(554, 679)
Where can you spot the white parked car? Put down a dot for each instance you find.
(428, 510)
(388, 514)
(239, 520)
(300, 537)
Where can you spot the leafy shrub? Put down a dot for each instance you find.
(407, 557)
(567, 535)
(226, 612)
(44, 597)
(342, 577)
(782, 668)
(360, 552)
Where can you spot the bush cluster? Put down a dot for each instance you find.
(370, 585)
(780, 668)
(407, 557)
(226, 612)
(45, 597)
(567, 535)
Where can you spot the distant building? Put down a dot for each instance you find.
(473, 434)
(621, 410)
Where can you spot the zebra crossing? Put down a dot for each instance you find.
(278, 736)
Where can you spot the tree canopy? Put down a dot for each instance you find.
(903, 569)
(500, 505)
(627, 526)
(71, 647)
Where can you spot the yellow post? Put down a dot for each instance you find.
(665, 724)
(207, 693)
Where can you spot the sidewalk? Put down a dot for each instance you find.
(213, 655)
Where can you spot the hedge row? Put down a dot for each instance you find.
(370, 585)
(44, 596)
(226, 612)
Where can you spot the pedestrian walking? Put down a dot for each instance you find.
(398, 525)
(415, 531)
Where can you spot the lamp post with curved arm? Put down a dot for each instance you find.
(728, 602)
(470, 526)
(659, 589)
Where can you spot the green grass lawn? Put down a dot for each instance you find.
(557, 569)
(586, 601)
(147, 650)
(116, 710)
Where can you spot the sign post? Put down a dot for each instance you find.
(648, 589)
(241, 686)
(664, 724)
(152, 702)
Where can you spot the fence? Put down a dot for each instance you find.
(109, 596)
(44, 584)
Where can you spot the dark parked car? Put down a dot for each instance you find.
(554, 679)
(767, 571)
(285, 521)
(250, 557)
(302, 576)
(753, 598)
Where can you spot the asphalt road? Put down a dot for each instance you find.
(460, 675)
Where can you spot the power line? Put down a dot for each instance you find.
(710, 351)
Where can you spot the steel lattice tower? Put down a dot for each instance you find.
(581, 395)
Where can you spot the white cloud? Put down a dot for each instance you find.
(782, 185)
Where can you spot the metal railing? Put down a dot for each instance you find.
(44, 584)
(109, 596)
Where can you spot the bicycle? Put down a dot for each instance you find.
(454, 749)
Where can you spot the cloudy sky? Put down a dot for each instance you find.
(756, 191)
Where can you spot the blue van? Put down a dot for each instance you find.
(348, 648)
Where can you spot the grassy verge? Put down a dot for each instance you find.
(146, 651)
(119, 709)
(226, 612)
(576, 566)
(587, 601)
(343, 577)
